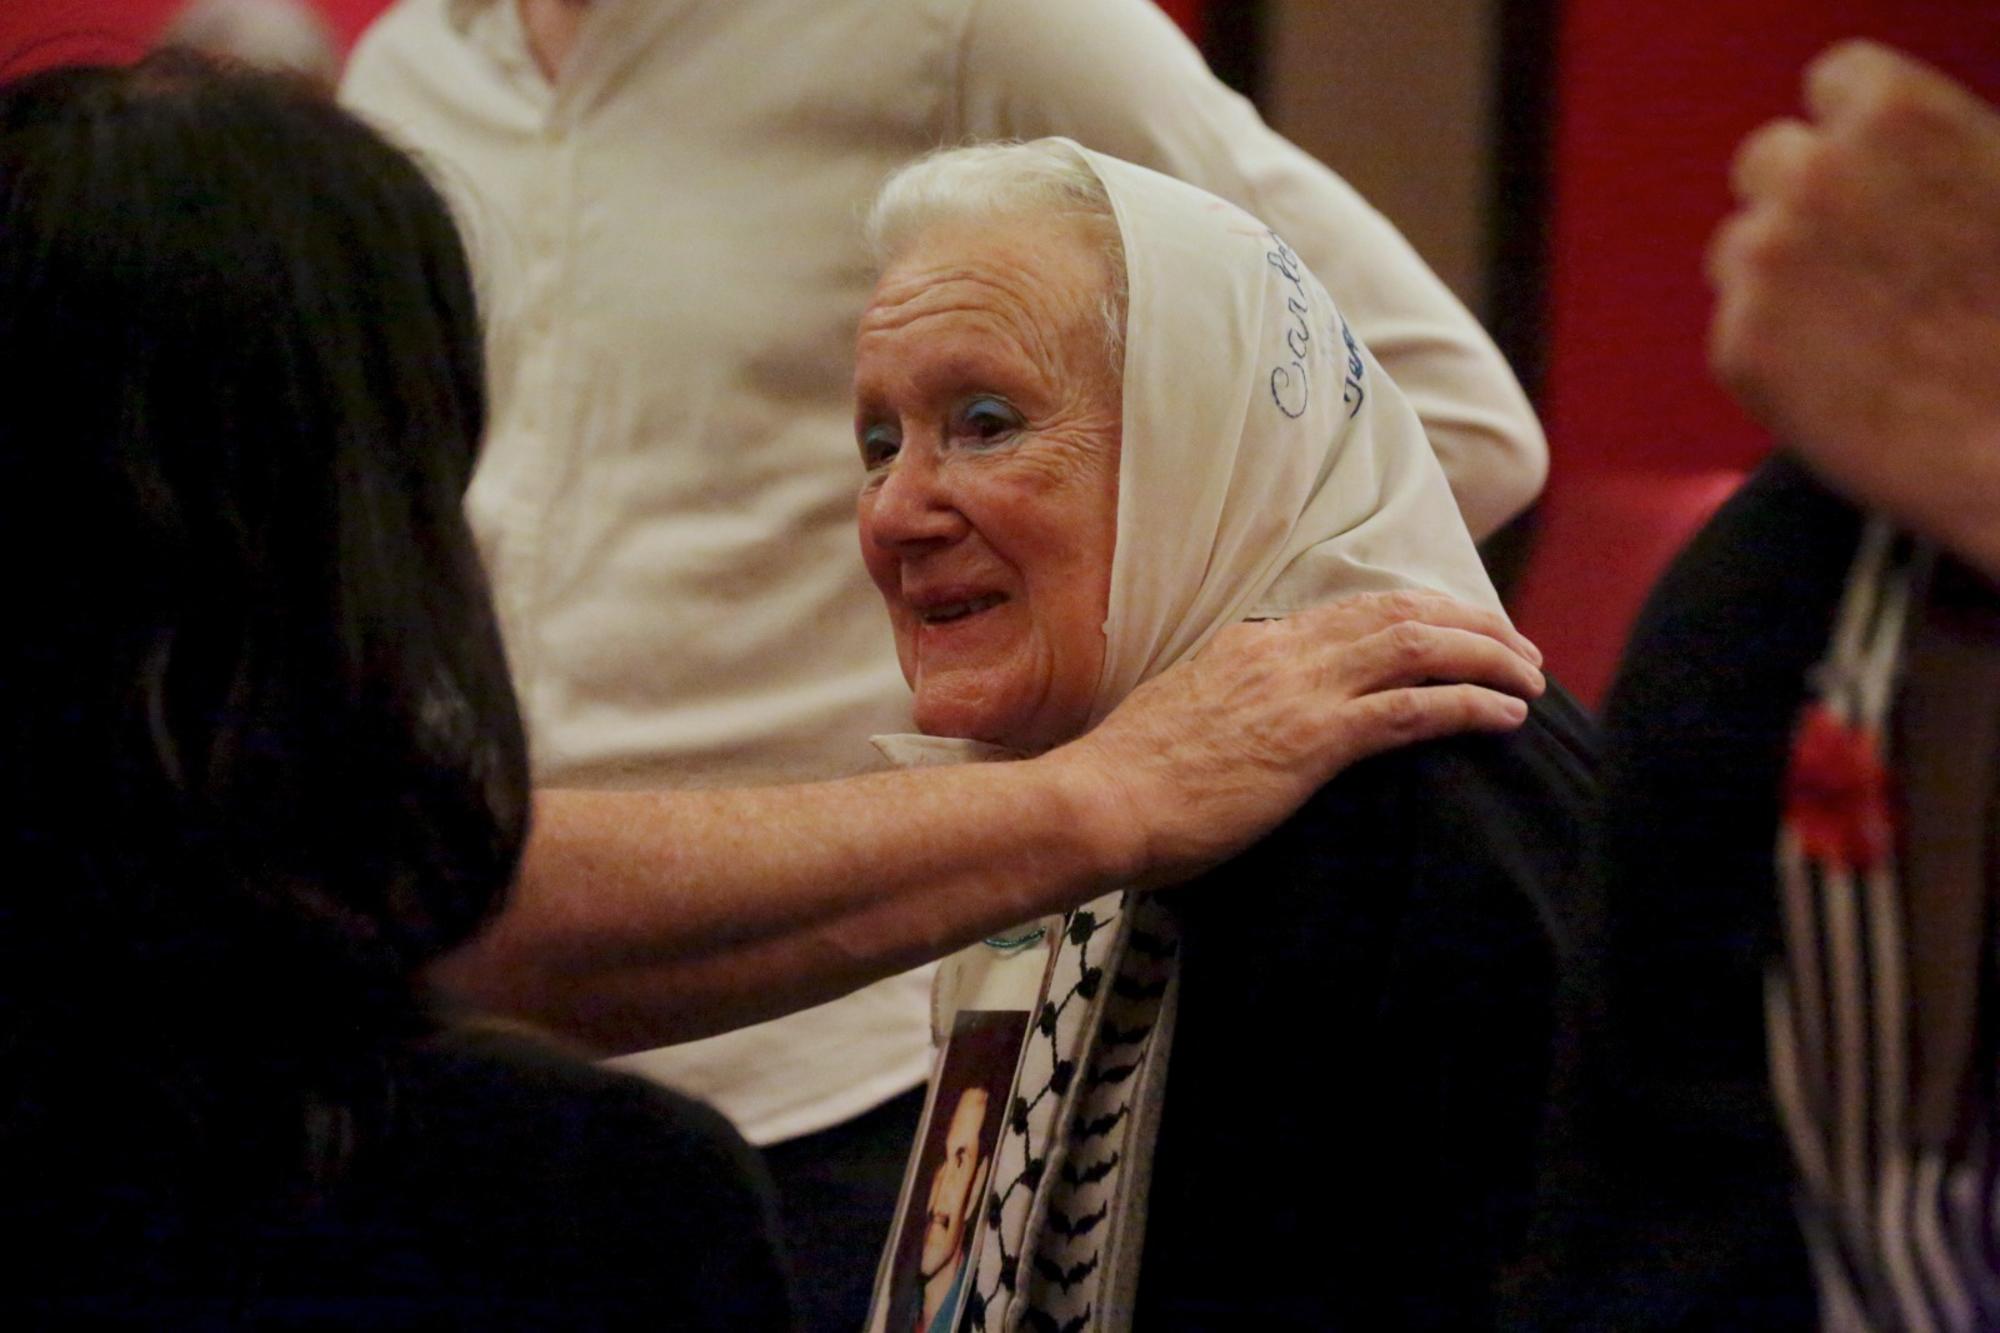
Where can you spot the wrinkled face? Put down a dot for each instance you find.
(953, 1182)
(988, 417)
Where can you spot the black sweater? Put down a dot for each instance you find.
(1363, 1046)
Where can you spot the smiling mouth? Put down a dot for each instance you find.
(943, 613)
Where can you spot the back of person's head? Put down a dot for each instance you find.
(262, 757)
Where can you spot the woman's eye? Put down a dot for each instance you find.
(879, 446)
(988, 420)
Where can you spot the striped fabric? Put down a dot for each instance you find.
(1904, 1231)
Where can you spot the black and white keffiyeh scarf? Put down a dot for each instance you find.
(1064, 1218)
(1055, 1240)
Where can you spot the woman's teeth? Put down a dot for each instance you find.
(938, 615)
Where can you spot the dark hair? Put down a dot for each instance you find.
(262, 759)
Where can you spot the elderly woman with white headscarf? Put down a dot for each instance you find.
(1105, 414)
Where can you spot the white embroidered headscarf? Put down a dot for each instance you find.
(1267, 464)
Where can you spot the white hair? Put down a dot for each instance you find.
(981, 182)
(270, 34)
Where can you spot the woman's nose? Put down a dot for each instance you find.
(912, 505)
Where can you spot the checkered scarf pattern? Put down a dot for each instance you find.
(1065, 1215)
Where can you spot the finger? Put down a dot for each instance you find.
(1770, 158)
(1723, 262)
(1862, 80)
(1395, 718)
(1764, 264)
(1729, 340)
(1415, 653)
(1735, 345)
(1848, 77)
(1379, 610)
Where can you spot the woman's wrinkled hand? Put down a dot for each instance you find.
(1209, 756)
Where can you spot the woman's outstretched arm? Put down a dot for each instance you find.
(646, 917)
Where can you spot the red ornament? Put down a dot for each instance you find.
(1837, 791)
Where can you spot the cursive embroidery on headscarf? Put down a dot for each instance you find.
(1352, 393)
(1291, 388)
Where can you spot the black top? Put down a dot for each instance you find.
(1362, 1050)
(508, 1187)
(1669, 1198)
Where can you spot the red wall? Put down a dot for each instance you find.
(35, 33)
(1189, 14)
(1652, 98)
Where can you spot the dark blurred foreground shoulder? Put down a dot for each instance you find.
(485, 1181)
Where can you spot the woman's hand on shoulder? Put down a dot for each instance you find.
(1208, 757)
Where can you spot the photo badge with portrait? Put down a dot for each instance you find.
(987, 997)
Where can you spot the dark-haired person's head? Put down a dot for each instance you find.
(262, 760)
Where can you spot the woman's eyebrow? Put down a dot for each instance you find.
(981, 367)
